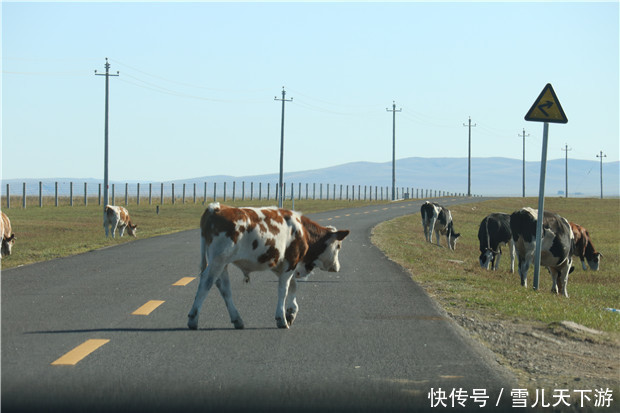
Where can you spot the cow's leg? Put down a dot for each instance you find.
(223, 284)
(555, 280)
(583, 264)
(431, 229)
(562, 276)
(524, 266)
(497, 257)
(121, 230)
(425, 226)
(512, 256)
(207, 277)
(284, 281)
(291, 302)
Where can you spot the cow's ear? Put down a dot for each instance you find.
(456, 235)
(340, 235)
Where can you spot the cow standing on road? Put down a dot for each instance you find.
(584, 249)
(494, 232)
(257, 239)
(438, 219)
(556, 245)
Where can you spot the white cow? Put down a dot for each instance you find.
(438, 219)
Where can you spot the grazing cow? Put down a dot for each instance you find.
(118, 217)
(439, 219)
(584, 249)
(556, 245)
(257, 239)
(8, 238)
(494, 232)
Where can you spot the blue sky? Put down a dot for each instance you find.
(195, 95)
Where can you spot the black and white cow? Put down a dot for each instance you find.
(438, 219)
(556, 245)
(494, 232)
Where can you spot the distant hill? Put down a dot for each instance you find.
(490, 177)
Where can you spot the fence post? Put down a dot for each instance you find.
(85, 194)
(126, 194)
(40, 194)
(24, 196)
(224, 191)
(138, 193)
(260, 190)
(113, 194)
(234, 189)
(243, 190)
(99, 196)
(183, 199)
(268, 189)
(150, 193)
(70, 193)
(173, 200)
(299, 192)
(55, 193)
(204, 200)
(161, 194)
(307, 185)
(214, 191)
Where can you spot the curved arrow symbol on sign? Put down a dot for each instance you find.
(547, 105)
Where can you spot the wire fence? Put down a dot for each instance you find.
(86, 193)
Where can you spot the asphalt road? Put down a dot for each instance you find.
(365, 339)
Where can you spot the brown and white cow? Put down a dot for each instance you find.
(117, 217)
(584, 249)
(556, 247)
(256, 239)
(8, 238)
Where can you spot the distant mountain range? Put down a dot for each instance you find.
(489, 177)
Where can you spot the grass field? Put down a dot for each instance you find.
(457, 281)
(53, 232)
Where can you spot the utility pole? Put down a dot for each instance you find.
(469, 159)
(393, 110)
(601, 156)
(566, 149)
(281, 184)
(524, 136)
(105, 156)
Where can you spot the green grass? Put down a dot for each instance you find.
(53, 232)
(466, 286)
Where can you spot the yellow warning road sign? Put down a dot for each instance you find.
(547, 108)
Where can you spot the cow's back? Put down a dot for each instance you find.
(494, 229)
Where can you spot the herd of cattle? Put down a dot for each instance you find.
(560, 241)
(292, 246)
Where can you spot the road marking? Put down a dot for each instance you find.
(78, 353)
(184, 281)
(148, 308)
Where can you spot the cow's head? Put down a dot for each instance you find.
(487, 258)
(132, 229)
(7, 244)
(595, 261)
(452, 238)
(327, 257)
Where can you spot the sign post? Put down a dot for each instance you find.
(545, 109)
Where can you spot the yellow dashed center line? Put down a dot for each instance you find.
(78, 353)
(184, 281)
(148, 308)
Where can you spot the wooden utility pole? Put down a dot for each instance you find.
(105, 156)
(601, 156)
(524, 136)
(281, 184)
(469, 159)
(393, 110)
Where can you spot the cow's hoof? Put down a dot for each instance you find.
(192, 323)
(290, 316)
(238, 324)
(281, 323)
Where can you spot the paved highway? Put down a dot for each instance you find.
(107, 331)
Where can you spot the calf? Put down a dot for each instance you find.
(117, 217)
(584, 249)
(439, 219)
(257, 239)
(8, 238)
(556, 245)
(494, 232)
